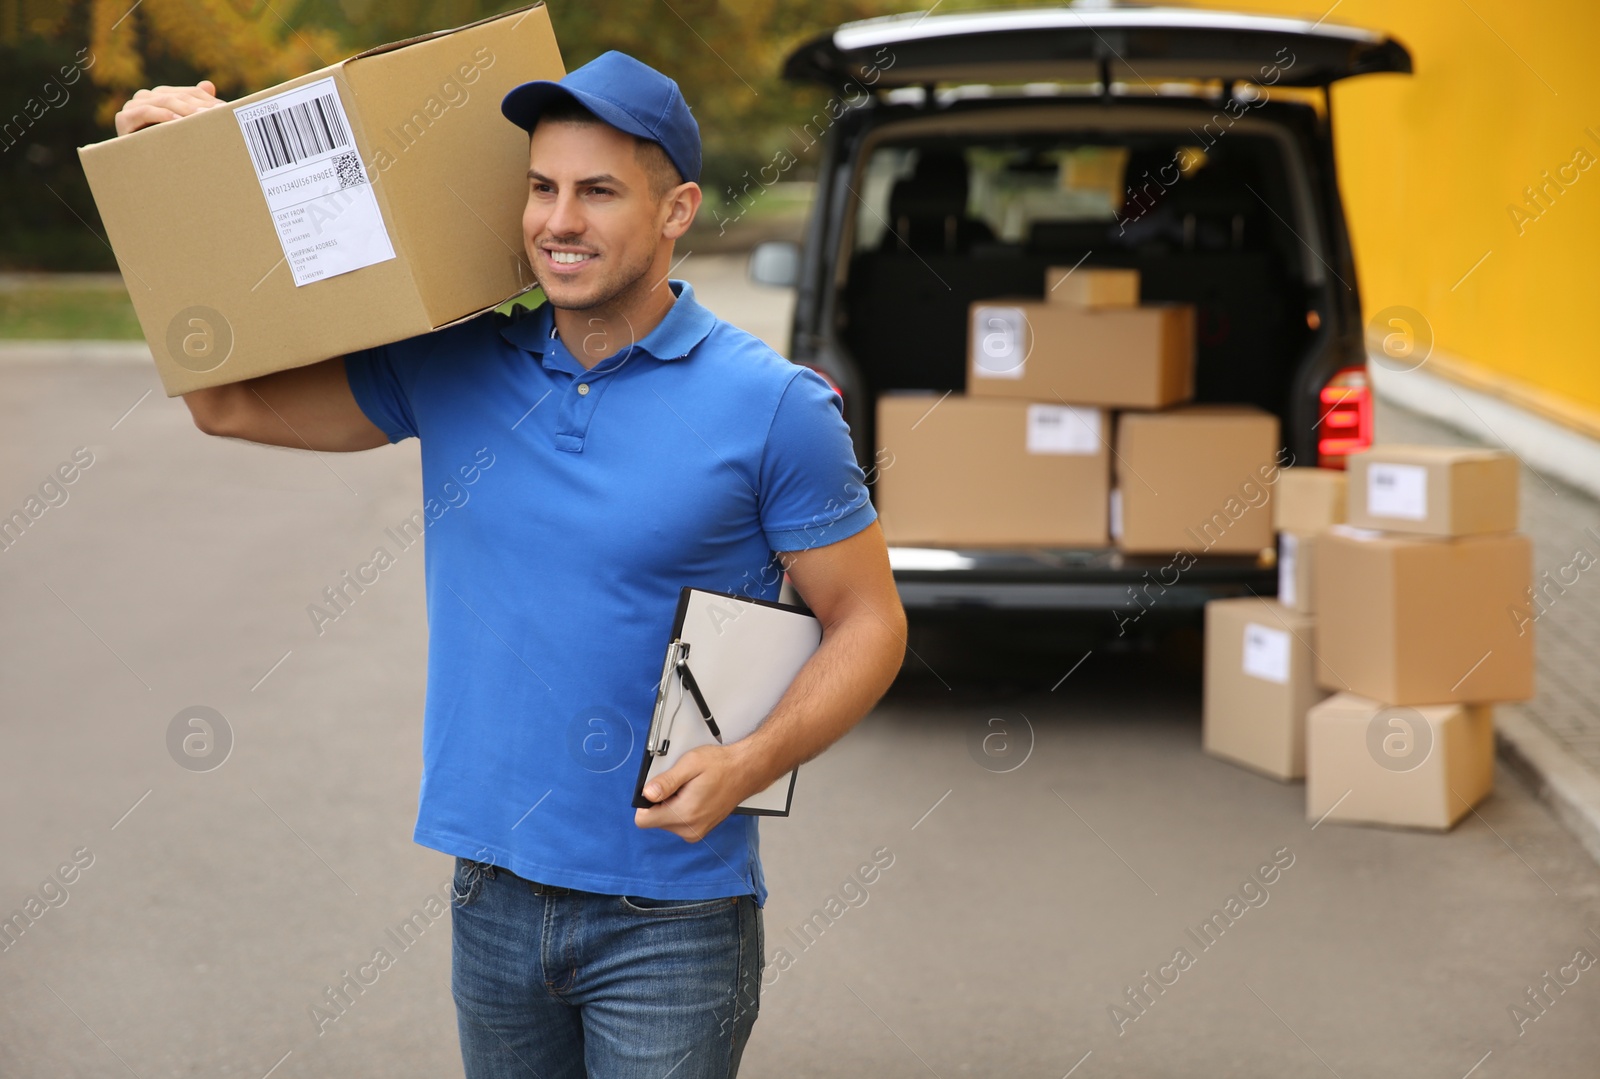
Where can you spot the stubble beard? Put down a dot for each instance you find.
(608, 292)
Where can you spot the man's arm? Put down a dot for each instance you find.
(308, 408)
(849, 587)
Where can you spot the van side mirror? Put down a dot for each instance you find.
(775, 263)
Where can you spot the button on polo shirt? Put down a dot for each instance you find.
(564, 509)
(581, 394)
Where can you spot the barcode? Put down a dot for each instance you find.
(295, 133)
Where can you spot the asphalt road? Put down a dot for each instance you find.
(1026, 893)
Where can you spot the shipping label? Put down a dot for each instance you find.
(1397, 491)
(1063, 429)
(317, 190)
(1288, 555)
(999, 342)
(1266, 653)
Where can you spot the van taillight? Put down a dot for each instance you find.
(828, 379)
(1344, 424)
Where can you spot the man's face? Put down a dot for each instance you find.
(591, 227)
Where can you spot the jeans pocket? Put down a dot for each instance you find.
(467, 884)
(675, 908)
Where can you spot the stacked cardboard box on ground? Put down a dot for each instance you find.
(1024, 456)
(1260, 673)
(1416, 596)
(1397, 592)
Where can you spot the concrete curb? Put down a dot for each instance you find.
(1541, 443)
(1570, 790)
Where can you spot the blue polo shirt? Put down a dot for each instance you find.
(564, 510)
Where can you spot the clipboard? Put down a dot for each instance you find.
(729, 661)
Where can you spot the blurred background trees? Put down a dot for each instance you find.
(66, 66)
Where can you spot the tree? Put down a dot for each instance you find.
(67, 68)
(725, 54)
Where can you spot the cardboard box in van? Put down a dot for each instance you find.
(1196, 479)
(1091, 286)
(1035, 350)
(984, 472)
(367, 202)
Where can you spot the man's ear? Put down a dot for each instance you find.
(683, 202)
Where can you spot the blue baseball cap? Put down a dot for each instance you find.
(629, 95)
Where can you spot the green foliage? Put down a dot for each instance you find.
(72, 308)
(725, 54)
(47, 219)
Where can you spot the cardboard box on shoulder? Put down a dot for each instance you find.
(1434, 490)
(1091, 286)
(1422, 766)
(1035, 350)
(1412, 620)
(1260, 679)
(1196, 479)
(1308, 500)
(991, 472)
(371, 201)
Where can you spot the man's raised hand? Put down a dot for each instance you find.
(165, 103)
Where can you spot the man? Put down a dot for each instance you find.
(621, 442)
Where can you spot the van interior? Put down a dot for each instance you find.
(945, 219)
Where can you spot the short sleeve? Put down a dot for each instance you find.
(381, 380)
(813, 492)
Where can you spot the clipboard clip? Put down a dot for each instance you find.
(655, 742)
(677, 663)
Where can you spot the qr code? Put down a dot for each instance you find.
(348, 167)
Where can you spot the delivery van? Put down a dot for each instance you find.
(974, 156)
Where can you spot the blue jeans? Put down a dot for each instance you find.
(562, 986)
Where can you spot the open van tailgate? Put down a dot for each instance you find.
(1130, 45)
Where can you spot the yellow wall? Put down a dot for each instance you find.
(1432, 162)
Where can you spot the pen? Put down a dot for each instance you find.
(694, 691)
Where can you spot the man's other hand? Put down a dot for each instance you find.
(165, 103)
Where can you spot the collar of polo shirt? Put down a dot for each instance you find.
(684, 326)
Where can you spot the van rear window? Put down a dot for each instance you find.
(1001, 192)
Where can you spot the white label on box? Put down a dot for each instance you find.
(1266, 653)
(1288, 554)
(317, 190)
(1063, 429)
(1116, 513)
(1397, 491)
(999, 336)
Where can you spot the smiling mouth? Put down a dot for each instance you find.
(569, 258)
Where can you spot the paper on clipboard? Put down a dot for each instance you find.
(742, 654)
